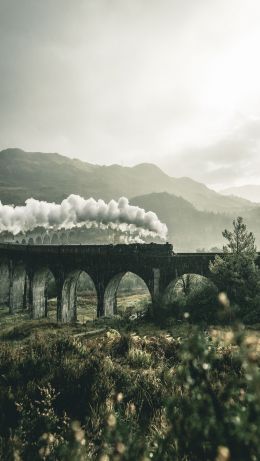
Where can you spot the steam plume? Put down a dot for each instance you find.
(76, 211)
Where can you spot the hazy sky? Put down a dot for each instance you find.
(174, 82)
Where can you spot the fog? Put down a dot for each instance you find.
(128, 81)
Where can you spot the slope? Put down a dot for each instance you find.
(52, 177)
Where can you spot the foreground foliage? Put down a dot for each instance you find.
(236, 272)
(130, 396)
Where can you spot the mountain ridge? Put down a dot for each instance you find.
(248, 191)
(190, 229)
(52, 177)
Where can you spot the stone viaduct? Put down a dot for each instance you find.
(25, 271)
(44, 238)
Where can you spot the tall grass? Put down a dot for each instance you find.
(129, 396)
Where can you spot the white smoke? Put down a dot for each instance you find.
(77, 211)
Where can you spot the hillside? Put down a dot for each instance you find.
(248, 192)
(191, 229)
(53, 177)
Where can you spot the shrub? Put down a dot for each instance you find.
(128, 397)
(139, 358)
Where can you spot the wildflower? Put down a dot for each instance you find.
(109, 404)
(132, 408)
(111, 420)
(119, 397)
(223, 299)
(223, 454)
(78, 432)
(120, 448)
(44, 452)
(229, 336)
(205, 366)
(104, 458)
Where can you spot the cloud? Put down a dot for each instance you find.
(233, 159)
(128, 81)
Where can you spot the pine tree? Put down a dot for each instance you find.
(236, 271)
(239, 241)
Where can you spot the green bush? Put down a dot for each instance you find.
(131, 397)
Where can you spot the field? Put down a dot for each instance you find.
(116, 389)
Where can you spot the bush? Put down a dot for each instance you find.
(200, 305)
(131, 397)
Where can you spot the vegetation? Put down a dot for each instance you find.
(194, 214)
(126, 394)
(167, 387)
(189, 228)
(231, 293)
(22, 173)
(191, 295)
(237, 273)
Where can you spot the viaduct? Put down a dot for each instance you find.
(25, 271)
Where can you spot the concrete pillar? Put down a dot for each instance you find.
(39, 301)
(68, 308)
(39, 293)
(100, 303)
(110, 301)
(26, 293)
(17, 288)
(67, 304)
(4, 284)
(30, 295)
(59, 301)
(156, 283)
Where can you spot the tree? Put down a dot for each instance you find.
(239, 241)
(236, 272)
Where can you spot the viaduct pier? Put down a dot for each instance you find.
(25, 270)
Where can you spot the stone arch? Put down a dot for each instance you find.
(4, 283)
(192, 293)
(71, 238)
(30, 241)
(69, 295)
(110, 300)
(41, 280)
(23, 242)
(55, 239)
(18, 288)
(64, 238)
(133, 295)
(38, 240)
(46, 239)
(185, 283)
(110, 295)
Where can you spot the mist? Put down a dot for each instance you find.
(130, 81)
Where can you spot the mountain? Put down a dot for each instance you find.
(190, 229)
(248, 192)
(53, 177)
(194, 214)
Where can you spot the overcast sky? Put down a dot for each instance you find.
(174, 82)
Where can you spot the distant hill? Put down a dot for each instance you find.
(194, 214)
(248, 192)
(53, 177)
(191, 229)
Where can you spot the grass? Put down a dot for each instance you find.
(120, 390)
(86, 313)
